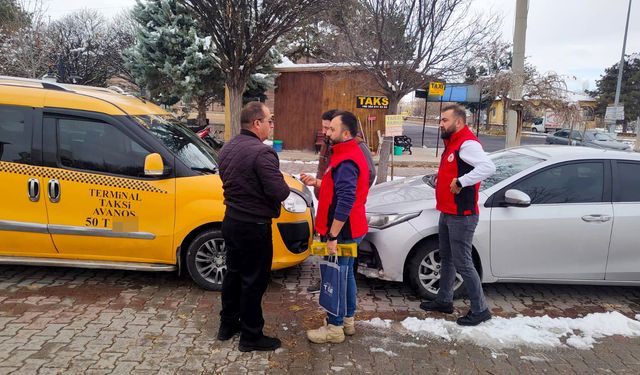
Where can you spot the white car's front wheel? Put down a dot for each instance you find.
(424, 272)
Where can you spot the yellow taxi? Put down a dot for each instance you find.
(95, 178)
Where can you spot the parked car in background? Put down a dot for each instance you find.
(590, 138)
(550, 214)
(537, 125)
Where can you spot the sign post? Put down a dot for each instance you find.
(437, 89)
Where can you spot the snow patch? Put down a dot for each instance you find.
(532, 358)
(337, 368)
(378, 323)
(380, 350)
(539, 332)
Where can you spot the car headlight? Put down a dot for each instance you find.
(295, 203)
(381, 221)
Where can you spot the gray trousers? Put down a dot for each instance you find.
(456, 234)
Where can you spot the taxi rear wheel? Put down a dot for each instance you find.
(207, 260)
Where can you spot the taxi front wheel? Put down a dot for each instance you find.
(207, 260)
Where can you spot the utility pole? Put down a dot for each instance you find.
(612, 126)
(517, 67)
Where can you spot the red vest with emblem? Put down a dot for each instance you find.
(452, 166)
(356, 224)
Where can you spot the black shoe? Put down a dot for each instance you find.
(472, 319)
(264, 343)
(227, 331)
(314, 288)
(434, 305)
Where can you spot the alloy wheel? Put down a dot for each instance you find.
(211, 260)
(429, 273)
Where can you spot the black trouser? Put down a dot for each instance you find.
(249, 254)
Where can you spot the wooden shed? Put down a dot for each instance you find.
(304, 91)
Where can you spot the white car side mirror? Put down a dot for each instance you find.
(514, 197)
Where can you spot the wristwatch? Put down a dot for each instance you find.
(458, 184)
(331, 237)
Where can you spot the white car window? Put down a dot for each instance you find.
(508, 163)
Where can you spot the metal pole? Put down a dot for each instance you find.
(424, 118)
(621, 67)
(637, 148)
(438, 138)
(478, 115)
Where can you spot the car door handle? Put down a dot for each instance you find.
(54, 190)
(33, 189)
(596, 218)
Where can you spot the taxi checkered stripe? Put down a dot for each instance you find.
(87, 178)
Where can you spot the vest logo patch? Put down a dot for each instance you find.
(450, 158)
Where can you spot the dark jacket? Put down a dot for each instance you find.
(251, 179)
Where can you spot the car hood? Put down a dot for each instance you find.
(616, 145)
(411, 194)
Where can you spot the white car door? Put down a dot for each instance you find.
(563, 234)
(624, 253)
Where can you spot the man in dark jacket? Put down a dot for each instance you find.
(253, 191)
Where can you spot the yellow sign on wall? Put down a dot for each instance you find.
(436, 88)
(372, 102)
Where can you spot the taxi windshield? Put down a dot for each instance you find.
(185, 144)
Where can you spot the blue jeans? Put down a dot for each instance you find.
(455, 235)
(351, 287)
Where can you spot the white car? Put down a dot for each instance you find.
(550, 214)
(537, 126)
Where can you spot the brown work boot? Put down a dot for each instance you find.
(349, 326)
(325, 334)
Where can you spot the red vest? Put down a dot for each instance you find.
(452, 166)
(356, 225)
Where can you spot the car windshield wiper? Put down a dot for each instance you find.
(207, 170)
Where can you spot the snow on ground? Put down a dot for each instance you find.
(380, 350)
(538, 332)
(300, 162)
(378, 323)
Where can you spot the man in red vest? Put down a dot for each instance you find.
(463, 166)
(341, 214)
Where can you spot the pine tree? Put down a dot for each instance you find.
(629, 91)
(172, 58)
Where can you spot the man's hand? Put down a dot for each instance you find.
(454, 186)
(308, 180)
(332, 246)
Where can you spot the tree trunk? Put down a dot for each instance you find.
(235, 103)
(487, 126)
(393, 104)
(202, 112)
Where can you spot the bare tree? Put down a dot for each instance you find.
(243, 32)
(121, 35)
(25, 52)
(83, 51)
(405, 43)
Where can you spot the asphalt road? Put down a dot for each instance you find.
(490, 143)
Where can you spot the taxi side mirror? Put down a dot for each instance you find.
(153, 165)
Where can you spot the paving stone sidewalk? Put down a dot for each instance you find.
(71, 321)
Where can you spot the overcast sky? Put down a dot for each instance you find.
(571, 37)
